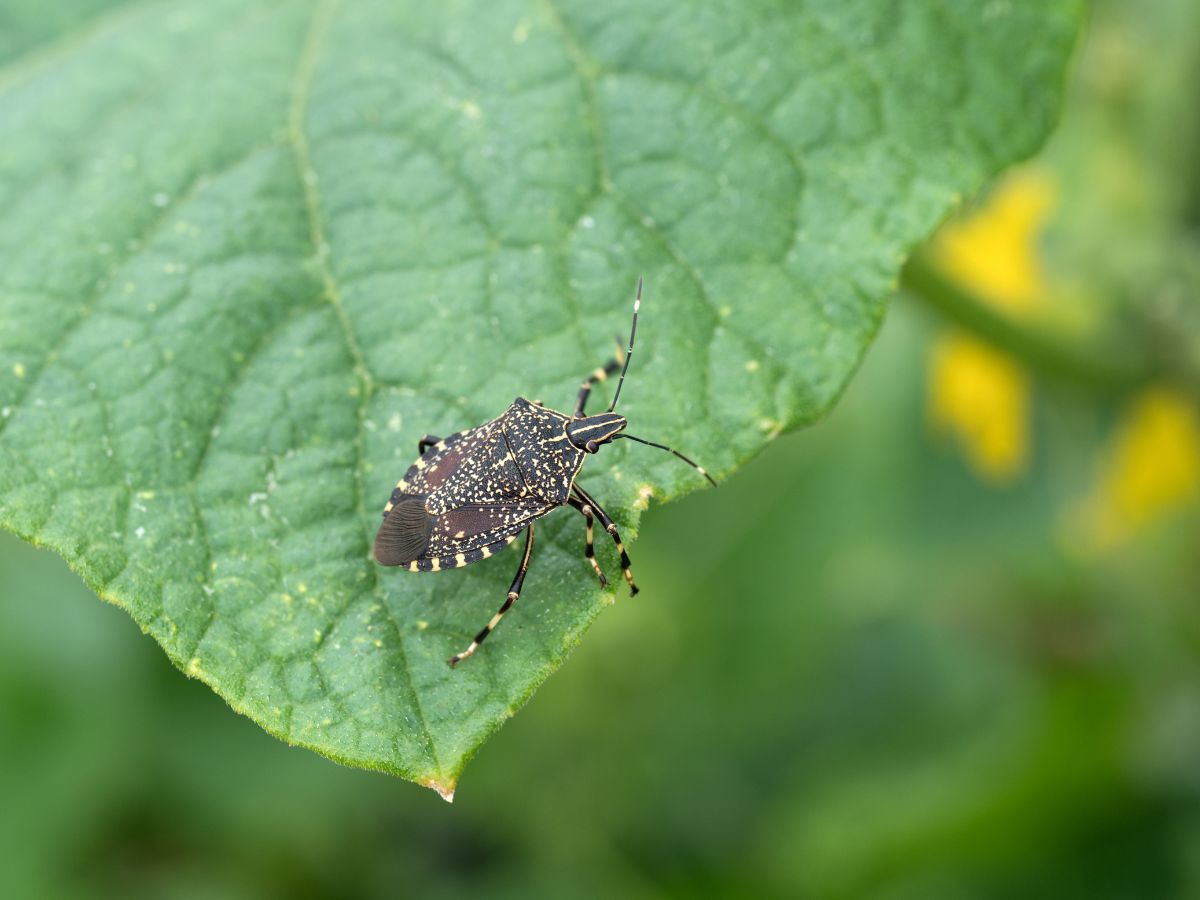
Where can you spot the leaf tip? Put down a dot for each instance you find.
(445, 790)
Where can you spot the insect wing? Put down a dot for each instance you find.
(405, 531)
(462, 500)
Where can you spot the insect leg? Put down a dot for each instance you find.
(514, 592)
(589, 549)
(611, 528)
(599, 374)
(426, 442)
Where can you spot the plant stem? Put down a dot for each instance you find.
(1055, 357)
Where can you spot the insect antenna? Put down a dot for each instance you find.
(637, 302)
(691, 463)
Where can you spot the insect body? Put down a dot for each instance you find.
(470, 495)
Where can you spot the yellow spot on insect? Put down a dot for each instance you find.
(193, 667)
(460, 559)
(412, 566)
(19, 370)
(402, 484)
(420, 463)
(486, 552)
(600, 375)
(436, 565)
(752, 365)
(459, 535)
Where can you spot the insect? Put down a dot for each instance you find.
(470, 495)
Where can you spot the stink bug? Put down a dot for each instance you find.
(470, 495)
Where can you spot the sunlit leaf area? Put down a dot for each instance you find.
(922, 292)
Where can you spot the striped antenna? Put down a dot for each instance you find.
(698, 468)
(637, 303)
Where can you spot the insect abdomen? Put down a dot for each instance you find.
(458, 560)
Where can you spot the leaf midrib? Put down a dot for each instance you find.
(314, 40)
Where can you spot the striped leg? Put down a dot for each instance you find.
(599, 374)
(589, 548)
(426, 442)
(611, 528)
(514, 591)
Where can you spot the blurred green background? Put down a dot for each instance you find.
(945, 644)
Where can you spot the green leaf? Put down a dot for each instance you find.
(252, 252)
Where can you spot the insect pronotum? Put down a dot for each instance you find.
(470, 495)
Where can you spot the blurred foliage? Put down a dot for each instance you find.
(865, 667)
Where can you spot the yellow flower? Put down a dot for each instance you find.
(981, 396)
(993, 252)
(977, 394)
(1150, 468)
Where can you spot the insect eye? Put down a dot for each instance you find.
(591, 446)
